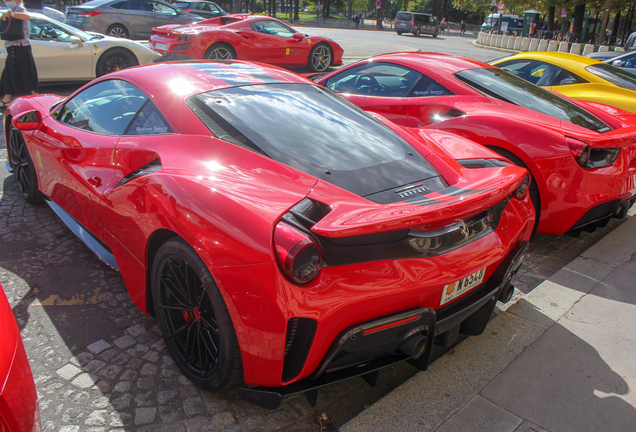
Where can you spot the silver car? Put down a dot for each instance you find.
(132, 19)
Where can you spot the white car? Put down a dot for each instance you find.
(64, 53)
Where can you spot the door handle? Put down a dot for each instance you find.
(95, 181)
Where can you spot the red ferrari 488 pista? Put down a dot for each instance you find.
(582, 156)
(280, 235)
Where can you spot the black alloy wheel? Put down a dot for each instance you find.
(115, 59)
(23, 168)
(194, 319)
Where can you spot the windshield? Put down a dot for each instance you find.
(510, 88)
(313, 130)
(617, 76)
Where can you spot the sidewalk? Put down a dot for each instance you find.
(559, 359)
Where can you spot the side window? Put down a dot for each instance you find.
(375, 79)
(428, 87)
(162, 8)
(45, 30)
(149, 121)
(272, 28)
(540, 73)
(105, 108)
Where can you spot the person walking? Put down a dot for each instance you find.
(462, 29)
(356, 20)
(20, 75)
(443, 25)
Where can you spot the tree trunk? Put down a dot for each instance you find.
(579, 15)
(350, 11)
(551, 18)
(296, 8)
(615, 28)
(601, 33)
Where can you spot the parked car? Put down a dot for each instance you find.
(604, 55)
(205, 9)
(625, 61)
(575, 76)
(416, 23)
(247, 37)
(19, 411)
(582, 156)
(515, 23)
(132, 19)
(63, 53)
(260, 218)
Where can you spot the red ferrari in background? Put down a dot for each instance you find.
(19, 410)
(279, 235)
(582, 156)
(246, 37)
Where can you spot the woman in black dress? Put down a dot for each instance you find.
(20, 75)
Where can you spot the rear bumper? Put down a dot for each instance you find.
(370, 346)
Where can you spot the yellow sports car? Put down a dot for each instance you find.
(575, 76)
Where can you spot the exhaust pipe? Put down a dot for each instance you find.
(507, 293)
(414, 346)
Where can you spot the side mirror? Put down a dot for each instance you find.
(29, 120)
(617, 63)
(75, 40)
(299, 36)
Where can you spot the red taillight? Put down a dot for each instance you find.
(580, 151)
(89, 13)
(299, 256)
(187, 10)
(522, 189)
(412, 23)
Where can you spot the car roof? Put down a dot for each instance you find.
(562, 59)
(442, 63)
(198, 76)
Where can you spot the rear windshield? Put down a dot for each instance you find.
(305, 123)
(510, 88)
(403, 16)
(617, 76)
(313, 130)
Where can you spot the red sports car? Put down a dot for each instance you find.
(19, 410)
(246, 37)
(276, 232)
(582, 156)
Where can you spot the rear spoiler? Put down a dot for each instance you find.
(467, 198)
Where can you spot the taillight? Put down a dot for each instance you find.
(522, 189)
(187, 10)
(183, 37)
(299, 256)
(580, 151)
(412, 23)
(89, 13)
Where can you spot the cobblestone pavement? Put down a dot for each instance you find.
(100, 364)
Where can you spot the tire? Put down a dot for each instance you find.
(435, 34)
(417, 33)
(118, 31)
(115, 59)
(193, 318)
(535, 197)
(23, 168)
(399, 33)
(220, 51)
(320, 58)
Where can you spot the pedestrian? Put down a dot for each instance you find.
(356, 20)
(443, 25)
(533, 27)
(20, 76)
(462, 29)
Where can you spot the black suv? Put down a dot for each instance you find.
(416, 23)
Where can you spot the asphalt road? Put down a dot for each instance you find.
(99, 364)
